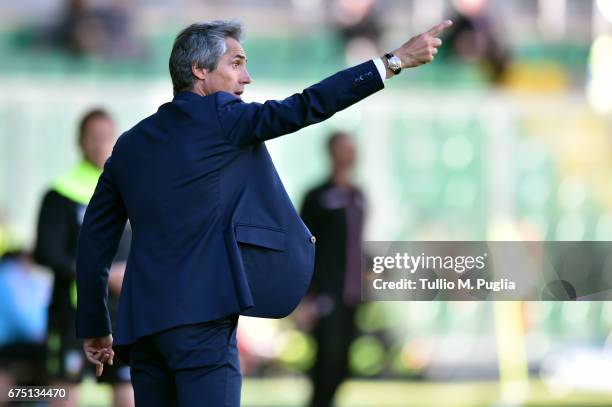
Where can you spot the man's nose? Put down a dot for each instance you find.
(246, 78)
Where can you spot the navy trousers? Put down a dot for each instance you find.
(190, 365)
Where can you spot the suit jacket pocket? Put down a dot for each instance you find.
(261, 236)
(264, 254)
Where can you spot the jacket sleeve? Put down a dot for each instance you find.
(52, 232)
(248, 123)
(100, 234)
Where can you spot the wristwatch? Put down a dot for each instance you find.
(394, 63)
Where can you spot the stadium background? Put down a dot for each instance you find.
(445, 154)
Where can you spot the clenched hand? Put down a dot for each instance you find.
(99, 351)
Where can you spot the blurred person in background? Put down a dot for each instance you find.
(98, 28)
(334, 213)
(60, 218)
(24, 297)
(356, 19)
(474, 39)
(357, 23)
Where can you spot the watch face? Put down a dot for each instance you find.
(395, 63)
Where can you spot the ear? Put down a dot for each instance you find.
(199, 73)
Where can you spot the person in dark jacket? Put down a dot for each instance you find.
(334, 213)
(58, 228)
(214, 229)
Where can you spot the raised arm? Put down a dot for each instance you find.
(247, 123)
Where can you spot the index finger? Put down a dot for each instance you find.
(440, 27)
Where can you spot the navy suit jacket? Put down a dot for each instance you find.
(214, 231)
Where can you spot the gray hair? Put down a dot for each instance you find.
(201, 44)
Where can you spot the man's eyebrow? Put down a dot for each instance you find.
(240, 56)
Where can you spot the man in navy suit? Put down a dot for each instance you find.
(214, 234)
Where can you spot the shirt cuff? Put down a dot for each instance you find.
(382, 70)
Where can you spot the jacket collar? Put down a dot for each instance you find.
(186, 96)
